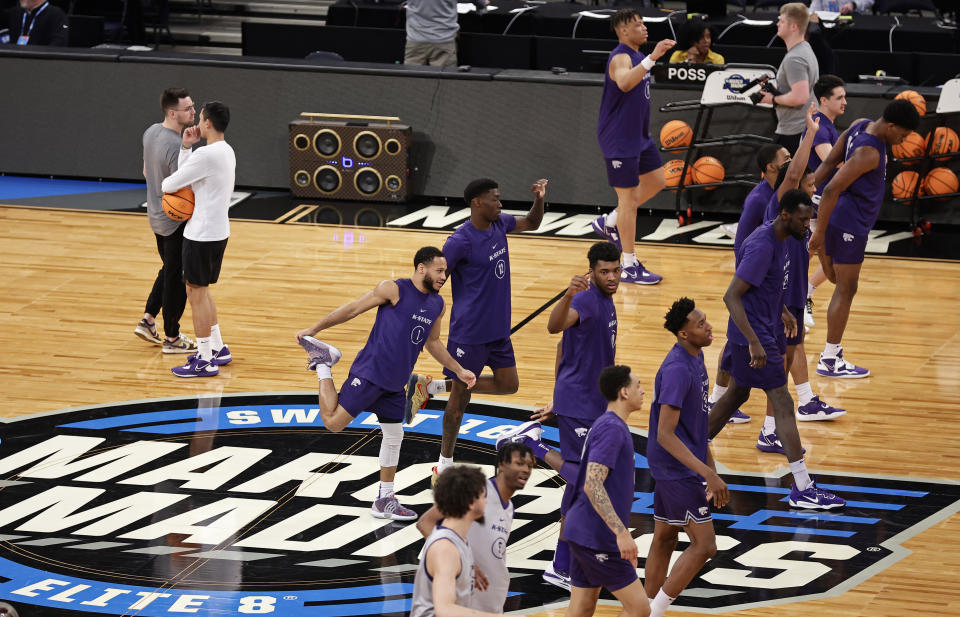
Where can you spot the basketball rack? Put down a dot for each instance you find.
(948, 107)
(730, 86)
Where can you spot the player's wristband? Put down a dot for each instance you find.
(648, 63)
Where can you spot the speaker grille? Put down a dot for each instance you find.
(367, 145)
(327, 179)
(326, 143)
(301, 142)
(368, 181)
(392, 147)
(393, 183)
(302, 177)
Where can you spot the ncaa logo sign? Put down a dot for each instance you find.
(244, 504)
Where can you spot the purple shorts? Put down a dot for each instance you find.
(679, 502)
(358, 394)
(798, 315)
(573, 433)
(844, 247)
(624, 172)
(495, 354)
(771, 376)
(599, 568)
(726, 358)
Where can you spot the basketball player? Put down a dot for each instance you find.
(444, 584)
(679, 458)
(478, 259)
(488, 536)
(755, 334)
(587, 317)
(161, 148)
(796, 175)
(409, 317)
(634, 168)
(831, 93)
(603, 549)
(210, 172)
(769, 158)
(849, 208)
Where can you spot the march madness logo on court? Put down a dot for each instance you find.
(244, 504)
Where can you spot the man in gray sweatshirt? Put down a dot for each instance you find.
(432, 32)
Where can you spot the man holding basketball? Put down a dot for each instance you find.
(210, 172)
(161, 147)
(634, 167)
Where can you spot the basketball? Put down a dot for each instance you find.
(945, 141)
(940, 181)
(912, 146)
(672, 171)
(916, 98)
(707, 169)
(905, 184)
(179, 205)
(676, 134)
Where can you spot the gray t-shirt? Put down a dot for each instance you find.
(800, 64)
(161, 146)
(422, 605)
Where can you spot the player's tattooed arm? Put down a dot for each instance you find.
(593, 487)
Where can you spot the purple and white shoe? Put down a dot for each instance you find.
(738, 416)
(220, 357)
(319, 352)
(610, 234)
(389, 507)
(531, 429)
(838, 367)
(769, 442)
(639, 275)
(195, 367)
(815, 498)
(818, 410)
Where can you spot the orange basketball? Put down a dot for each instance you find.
(916, 98)
(945, 141)
(939, 182)
(905, 184)
(912, 146)
(676, 134)
(707, 169)
(179, 205)
(672, 171)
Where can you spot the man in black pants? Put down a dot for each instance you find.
(161, 147)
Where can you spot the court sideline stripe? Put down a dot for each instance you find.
(534, 314)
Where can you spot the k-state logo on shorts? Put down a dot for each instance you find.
(244, 504)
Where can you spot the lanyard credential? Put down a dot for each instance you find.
(25, 36)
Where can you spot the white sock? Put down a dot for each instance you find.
(323, 372)
(800, 475)
(804, 393)
(830, 350)
(769, 425)
(810, 289)
(437, 386)
(216, 343)
(386, 489)
(630, 259)
(659, 605)
(610, 220)
(444, 463)
(203, 348)
(718, 391)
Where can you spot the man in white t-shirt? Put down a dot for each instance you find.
(210, 172)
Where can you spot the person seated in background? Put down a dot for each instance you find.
(695, 42)
(432, 28)
(844, 7)
(35, 22)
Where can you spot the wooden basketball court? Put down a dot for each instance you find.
(74, 285)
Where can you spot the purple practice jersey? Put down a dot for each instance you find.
(479, 263)
(624, 126)
(826, 134)
(398, 335)
(858, 206)
(610, 444)
(798, 260)
(681, 382)
(587, 348)
(752, 215)
(762, 264)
